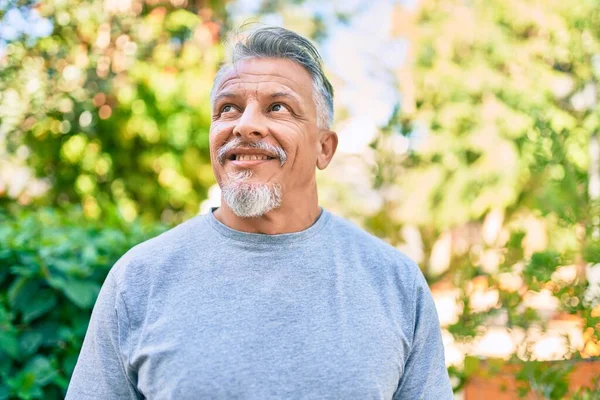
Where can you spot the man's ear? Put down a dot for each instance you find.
(327, 146)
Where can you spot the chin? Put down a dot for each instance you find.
(248, 199)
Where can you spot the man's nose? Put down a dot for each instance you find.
(251, 125)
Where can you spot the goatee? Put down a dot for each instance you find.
(250, 200)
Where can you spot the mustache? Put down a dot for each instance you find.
(238, 142)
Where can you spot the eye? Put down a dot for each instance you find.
(277, 107)
(226, 108)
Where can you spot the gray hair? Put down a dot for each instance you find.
(273, 150)
(276, 42)
(247, 200)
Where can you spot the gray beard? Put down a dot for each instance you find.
(250, 200)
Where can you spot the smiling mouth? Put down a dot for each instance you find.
(250, 157)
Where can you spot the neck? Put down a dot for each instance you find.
(290, 217)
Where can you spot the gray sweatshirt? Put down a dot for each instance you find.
(207, 312)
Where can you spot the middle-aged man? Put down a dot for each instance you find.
(268, 296)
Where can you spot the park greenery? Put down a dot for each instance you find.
(507, 91)
(53, 264)
(113, 106)
(110, 113)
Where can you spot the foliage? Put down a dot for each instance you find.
(549, 382)
(52, 265)
(531, 379)
(501, 94)
(497, 92)
(489, 95)
(112, 102)
(500, 135)
(540, 268)
(592, 393)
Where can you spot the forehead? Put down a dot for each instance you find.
(266, 74)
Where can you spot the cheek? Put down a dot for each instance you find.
(218, 133)
(297, 144)
(217, 137)
(303, 157)
(308, 150)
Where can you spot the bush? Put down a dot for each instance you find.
(121, 103)
(52, 265)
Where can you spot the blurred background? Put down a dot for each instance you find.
(468, 139)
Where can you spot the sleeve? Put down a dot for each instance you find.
(425, 375)
(100, 371)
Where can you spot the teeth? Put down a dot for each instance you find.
(251, 157)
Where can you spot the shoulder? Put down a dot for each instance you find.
(148, 257)
(395, 275)
(143, 274)
(350, 236)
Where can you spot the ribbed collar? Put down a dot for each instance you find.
(261, 238)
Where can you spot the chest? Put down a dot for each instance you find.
(273, 335)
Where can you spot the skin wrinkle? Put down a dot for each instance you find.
(236, 143)
(276, 44)
(252, 89)
(319, 99)
(219, 102)
(236, 95)
(259, 75)
(224, 83)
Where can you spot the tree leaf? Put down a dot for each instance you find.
(4, 393)
(21, 291)
(38, 305)
(29, 342)
(9, 344)
(82, 293)
(49, 332)
(42, 369)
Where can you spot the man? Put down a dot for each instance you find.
(268, 296)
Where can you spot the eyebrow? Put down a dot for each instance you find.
(276, 95)
(284, 94)
(287, 95)
(224, 95)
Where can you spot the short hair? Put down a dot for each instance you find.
(276, 42)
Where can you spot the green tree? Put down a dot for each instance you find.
(52, 265)
(113, 105)
(499, 110)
